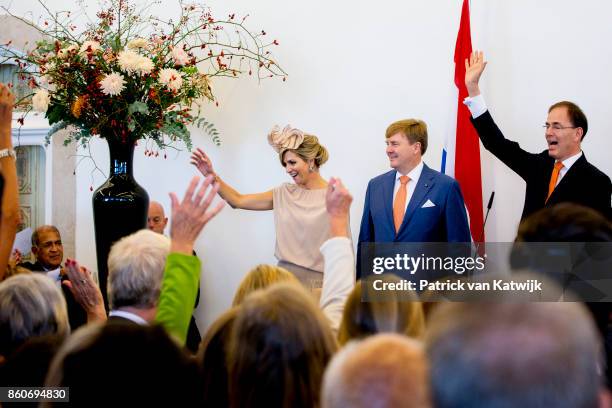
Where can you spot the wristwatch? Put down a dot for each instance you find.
(7, 153)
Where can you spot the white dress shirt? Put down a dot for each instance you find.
(478, 106)
(130, 316)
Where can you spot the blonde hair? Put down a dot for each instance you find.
(309, 149)
(359, 375)
(389, 315)
(415, 131)
(261, 277)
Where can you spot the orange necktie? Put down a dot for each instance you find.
(553, 179)
(399, 205)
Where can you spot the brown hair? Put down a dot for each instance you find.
(309, 149)
(414, 130)
(279, 348)
(213, 356)
(576, 115)
(391, 314)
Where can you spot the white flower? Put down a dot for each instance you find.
(90, 47)
(179, 56)
(131, 62)
(128, 60)
(137, 43)
(145, 65)
(288, 138)
(65, 52)
(171, 78)
(112, 84)
(41, 100)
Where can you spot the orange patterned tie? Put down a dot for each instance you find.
(399, 205)
(553, 179)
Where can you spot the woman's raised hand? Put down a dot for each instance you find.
(202, 162)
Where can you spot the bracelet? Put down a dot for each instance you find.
(7, 153)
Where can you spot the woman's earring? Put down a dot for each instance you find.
(311, 169)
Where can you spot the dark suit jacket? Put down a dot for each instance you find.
(582, 184)
(445, 221)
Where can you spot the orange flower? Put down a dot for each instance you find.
(78, 105)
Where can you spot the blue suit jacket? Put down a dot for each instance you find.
(446, 221)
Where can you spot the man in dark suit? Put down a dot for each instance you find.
(411, 203)
(559, 174)
(156, 222)
(48, 250)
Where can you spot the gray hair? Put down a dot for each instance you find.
(135, 269)
(514, 355)
(41, 229)
(30, 305)
(384, 370)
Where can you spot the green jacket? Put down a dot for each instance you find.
(178, 293)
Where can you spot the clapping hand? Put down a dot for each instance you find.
(474, 66)
(84, 290)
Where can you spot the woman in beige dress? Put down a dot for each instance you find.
(300, 217)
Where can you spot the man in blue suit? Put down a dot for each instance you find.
(411, 203)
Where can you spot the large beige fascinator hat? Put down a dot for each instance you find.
(287, 138)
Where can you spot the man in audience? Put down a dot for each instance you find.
(135, 270)
(48, 250)
(587, 263)
(515, 355)
(385, 371)
(156, 222)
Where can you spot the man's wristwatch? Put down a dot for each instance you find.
(7, 153)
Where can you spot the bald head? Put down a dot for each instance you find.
(385, 370)
(156, 220)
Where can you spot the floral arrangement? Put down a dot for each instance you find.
(131, 76)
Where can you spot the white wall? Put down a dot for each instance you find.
(354, 67)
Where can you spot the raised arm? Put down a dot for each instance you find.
(9, 210)
(182, 272)
(258, 201)
(474, 66)
(339, 259)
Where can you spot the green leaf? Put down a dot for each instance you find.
(139, 107)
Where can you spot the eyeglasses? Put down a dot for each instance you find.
(556, 126)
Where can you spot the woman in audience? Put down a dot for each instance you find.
(213, 359)
(31, 305)
(33, 324)
(298, 206)
(387, 312)
(261, 277)
(279, 348)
